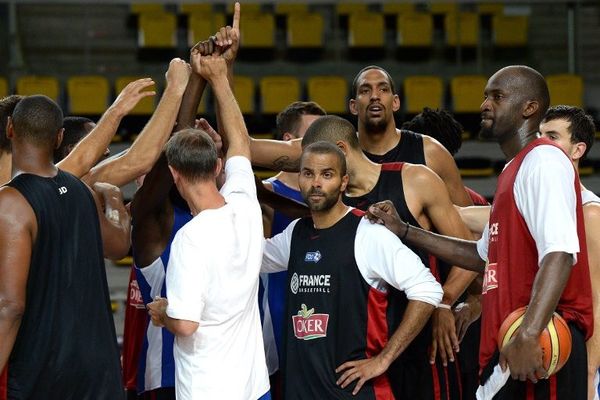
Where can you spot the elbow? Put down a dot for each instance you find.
(118, 246)
(12, 310)
(186, 328)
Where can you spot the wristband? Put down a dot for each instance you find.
(444, 306)
(406, 231)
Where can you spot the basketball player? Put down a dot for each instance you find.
(369, 183)
(534, 245)
(218, 348)
(573, 130)
(340, 272)
(53, 289)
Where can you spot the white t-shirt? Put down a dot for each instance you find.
(380, 256)
(587, 196)
(545, 195)
(212, 279)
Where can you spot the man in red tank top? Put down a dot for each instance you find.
(533, 252)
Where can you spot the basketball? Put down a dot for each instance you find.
(555, 339)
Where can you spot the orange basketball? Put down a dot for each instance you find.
(555, 339)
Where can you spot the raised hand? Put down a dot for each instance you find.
(212, 67)
(132, 94)
(206, 127)
(228, 37)
(178, 74)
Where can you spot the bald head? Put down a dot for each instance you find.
(331, 129)
(528, 83)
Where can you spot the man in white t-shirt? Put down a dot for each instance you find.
(212, 277)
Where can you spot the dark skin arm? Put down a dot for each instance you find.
(440, 214)
(441, 162)
(416, 316)
(523, 354)
(18, 232)
(459, 252)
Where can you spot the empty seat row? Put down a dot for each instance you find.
(89, 95)
(158, 29)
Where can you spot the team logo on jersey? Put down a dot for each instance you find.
(490, 279)
(62, 190)
(494, 230)
(308, 325)
(135, 295)
(310, 283)
(312, 256)
(294, 283)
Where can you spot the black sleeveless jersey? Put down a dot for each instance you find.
(334, 314)
(409, 149)
(66, 347)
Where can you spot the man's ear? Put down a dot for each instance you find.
(10, 129)
(352, 107)
(59, 138)
(219, 166)
(288, 136)
(345, 180)
(578, 151)
(396, 103)
(531, 108)
(175, 174)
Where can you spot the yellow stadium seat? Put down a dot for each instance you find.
(157, 30)
(192, 8)
(330, 92)
(3, 87)
(345, 8)
(290, 8)
(139, 8)
(443, 8)
(490, 8)
(146, 105)
(565, 89)
(257, 30)
(245, 8)
(88, 94)
(397, 8)
(277, 92)
(366, 30)
(415, 29)
(46, 85)
(462, 29)
(305, 30)
(467, 93)
(243, 87)
(510, 30)
(423, 91)
(203, 25)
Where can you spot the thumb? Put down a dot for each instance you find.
(503, 363)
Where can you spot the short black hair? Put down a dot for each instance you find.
(331, 128)
(192, 153)
(440, 125)
(581, 128)
(37, 119)
(288, 120)
(74, 132)
(322, 147)
(7, 106)
(355, 81)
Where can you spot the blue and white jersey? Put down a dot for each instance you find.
(272, 291)
(157, 366)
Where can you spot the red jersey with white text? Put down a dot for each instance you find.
(513, 264)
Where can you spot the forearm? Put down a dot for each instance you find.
(10, 321)
(233, 126)
(415, 317)
(457, 282)
(89, 150)
(179, 327)
(548, 286)
(189, 104)
(116, 227)
(276, 154)
(147, 147)
(459, 252)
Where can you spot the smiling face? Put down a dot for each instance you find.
(501, 110)
(321, 181)
(374, 102)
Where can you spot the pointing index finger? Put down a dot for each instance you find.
(236, 16)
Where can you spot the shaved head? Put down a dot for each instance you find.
(527, 82)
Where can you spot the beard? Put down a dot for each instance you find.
(375, 125)
(325, 203)
(486, 133)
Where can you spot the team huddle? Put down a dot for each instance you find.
(363, 269)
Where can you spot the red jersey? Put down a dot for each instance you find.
(3, 377)
(513, 264)
(136, 320)
(476, 198)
